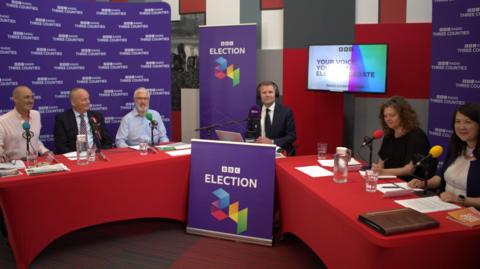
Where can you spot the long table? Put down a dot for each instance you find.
(40, 209)
(324, 215)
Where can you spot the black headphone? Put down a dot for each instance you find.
(267, 83)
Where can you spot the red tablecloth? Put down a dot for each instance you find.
(39, 209)
(324, 215)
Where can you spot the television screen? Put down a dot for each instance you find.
(348, 68)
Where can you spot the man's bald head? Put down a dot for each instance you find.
(23, 98)
(80, 100)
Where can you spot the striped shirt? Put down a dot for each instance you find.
(12, 144)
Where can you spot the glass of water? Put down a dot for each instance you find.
(371, 179)
(143, 147)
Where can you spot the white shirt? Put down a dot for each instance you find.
(262, 119)
(456, 176)
(89, 128)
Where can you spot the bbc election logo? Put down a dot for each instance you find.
(218, 207)
(223, 70)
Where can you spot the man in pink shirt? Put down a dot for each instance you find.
(12, 141)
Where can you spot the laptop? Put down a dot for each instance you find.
(229, 136)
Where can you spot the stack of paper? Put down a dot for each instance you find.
(329, 163)
(179, 152)
(314, 171)
(59, 167)
(174, 146)
(72, 156)
(15, 164)
(362, 173)
(427, 204)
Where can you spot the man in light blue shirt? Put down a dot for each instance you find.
(135, 127)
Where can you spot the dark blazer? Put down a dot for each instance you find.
(283, 129)
(65, 131)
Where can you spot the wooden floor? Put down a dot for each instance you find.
(159, 243)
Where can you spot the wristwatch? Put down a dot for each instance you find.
(461, 199)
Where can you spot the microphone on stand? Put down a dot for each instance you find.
(368, 141)
(424, 162)
(96, 128)
(97, 137)
(153, 126)
(253, 122)
(27, 134)
(377, 134)
(434, 153)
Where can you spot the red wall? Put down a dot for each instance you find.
(409, 56)
(318, 115)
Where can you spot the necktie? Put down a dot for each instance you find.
(83, 125)
(268, 124)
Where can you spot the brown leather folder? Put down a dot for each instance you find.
(397, 221)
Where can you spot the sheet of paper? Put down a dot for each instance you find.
(427, 204)
(314, 171)
(388, 187)
(16, 164)
(137, 147)
(59, 167)
(329, 163)
(72, 156)
(176, 146)
(362, 173)
(179, 152)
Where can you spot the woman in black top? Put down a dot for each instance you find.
(404, 141)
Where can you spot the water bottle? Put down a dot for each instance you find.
(82, 150)
(340, 164)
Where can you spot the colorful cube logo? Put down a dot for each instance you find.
(218, 207)
(223, 70)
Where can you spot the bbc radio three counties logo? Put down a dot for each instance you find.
(223, 70)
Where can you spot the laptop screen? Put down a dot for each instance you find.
(229, 136)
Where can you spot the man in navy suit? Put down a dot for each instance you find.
(279, 127)
(80, 120)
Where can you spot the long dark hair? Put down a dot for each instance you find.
(457, 146)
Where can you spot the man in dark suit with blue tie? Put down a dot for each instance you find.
(277, 123)
(80, 120)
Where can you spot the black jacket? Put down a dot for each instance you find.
(283, 129)
(65, 131)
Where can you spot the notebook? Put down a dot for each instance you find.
(229, 136)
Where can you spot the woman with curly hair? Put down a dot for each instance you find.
(459, 178)
(404, 141)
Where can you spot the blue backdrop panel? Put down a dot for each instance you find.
(455, 75)
(110, 49)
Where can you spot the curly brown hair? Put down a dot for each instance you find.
(408, 116)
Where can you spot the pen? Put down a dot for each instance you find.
(391, 187)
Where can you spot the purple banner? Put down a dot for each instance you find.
(227, 76)
(231, 190)
(455, 76)
(110, 49)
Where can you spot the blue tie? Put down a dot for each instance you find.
(268, 124)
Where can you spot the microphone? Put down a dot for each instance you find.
(96, 128)
(149, 116)
(375, 135)
(27, 134)
(253, 121)
(434, 152)
(153, 125)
